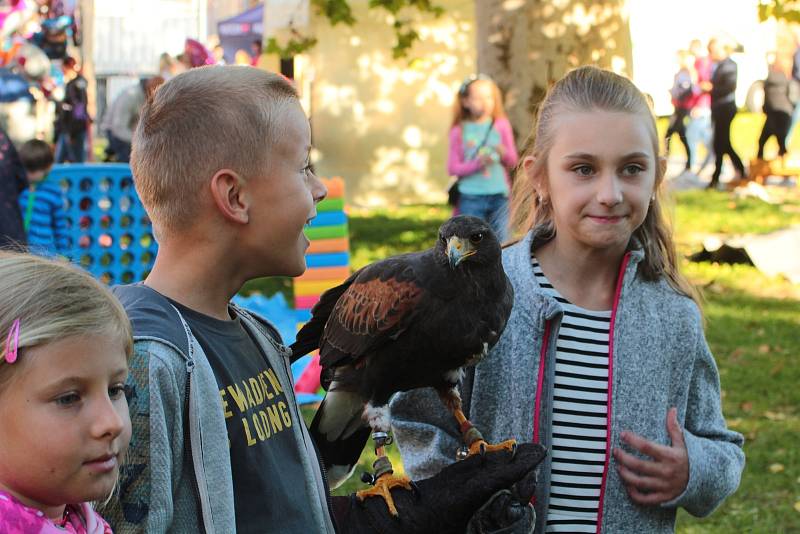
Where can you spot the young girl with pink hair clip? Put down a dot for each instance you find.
(64, 425)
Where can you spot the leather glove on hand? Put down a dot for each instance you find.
(447, 502)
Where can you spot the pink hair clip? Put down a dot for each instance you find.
(12, 339)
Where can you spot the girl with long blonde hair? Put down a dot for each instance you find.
(604, 360)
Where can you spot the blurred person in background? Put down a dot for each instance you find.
(13, 180)
(42, 203)
(699, 128)
(120, 121)
(255, 52)
(683, 97)
(780, 98)
(722, 88)
(219, 55)
(796, 78)
(167, 66)
(72, 117)
(242, 58)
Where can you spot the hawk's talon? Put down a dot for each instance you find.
(382, 489)
(513, 451)
(481, 447)
(367, 478)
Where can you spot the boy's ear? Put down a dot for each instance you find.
(227, 191)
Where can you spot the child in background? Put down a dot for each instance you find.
(481, 150)
(699, 128)
(779, 100)
(683, 97)
(42, 204)
(603, 360)
(64, 425)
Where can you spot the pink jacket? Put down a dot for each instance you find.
(702, 66)
(16, 518)
(457, 166)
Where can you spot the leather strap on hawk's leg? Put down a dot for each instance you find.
(382, 465)
(452, 399)
(469, 433)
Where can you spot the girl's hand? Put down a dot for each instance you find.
(485, 159)
(706, 86)
(662, 479)
(501, 150)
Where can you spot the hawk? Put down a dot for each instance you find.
(409, 321)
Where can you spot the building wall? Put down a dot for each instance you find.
(380, 123)
(130, 35)
(218, 10)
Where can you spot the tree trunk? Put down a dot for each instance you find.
(526, 45)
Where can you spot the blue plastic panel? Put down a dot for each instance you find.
(110, 232)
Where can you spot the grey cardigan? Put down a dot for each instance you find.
(659, 359)
(170, 471)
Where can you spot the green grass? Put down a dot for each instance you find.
(753, 328)
(710, 212)
(756, 343)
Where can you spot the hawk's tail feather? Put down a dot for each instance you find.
(340, 433)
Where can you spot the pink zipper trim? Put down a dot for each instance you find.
(538, 404)
(617, 293)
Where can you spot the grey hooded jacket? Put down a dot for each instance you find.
(659, 359)
(177, 477)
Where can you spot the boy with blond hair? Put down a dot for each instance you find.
(221, 163)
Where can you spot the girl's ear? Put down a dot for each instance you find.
(662, 171)
(528, 163)
(529, 168)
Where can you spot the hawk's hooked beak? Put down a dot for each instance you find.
(458, 250)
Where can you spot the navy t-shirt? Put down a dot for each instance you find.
(268, 476)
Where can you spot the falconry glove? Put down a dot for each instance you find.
(479, 495)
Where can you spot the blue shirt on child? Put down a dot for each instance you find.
(491, 180)
(45, 220)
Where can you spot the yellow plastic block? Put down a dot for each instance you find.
(315, 287)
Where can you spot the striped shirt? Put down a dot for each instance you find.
(579, 430)
(47, 225)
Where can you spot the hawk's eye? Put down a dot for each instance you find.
(476, 237)
(442, 239)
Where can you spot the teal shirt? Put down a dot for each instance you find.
(491, 180)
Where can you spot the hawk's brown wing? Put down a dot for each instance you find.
(375, 308)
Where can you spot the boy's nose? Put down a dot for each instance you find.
(318, 189)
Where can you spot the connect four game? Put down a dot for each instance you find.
(110, 233)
